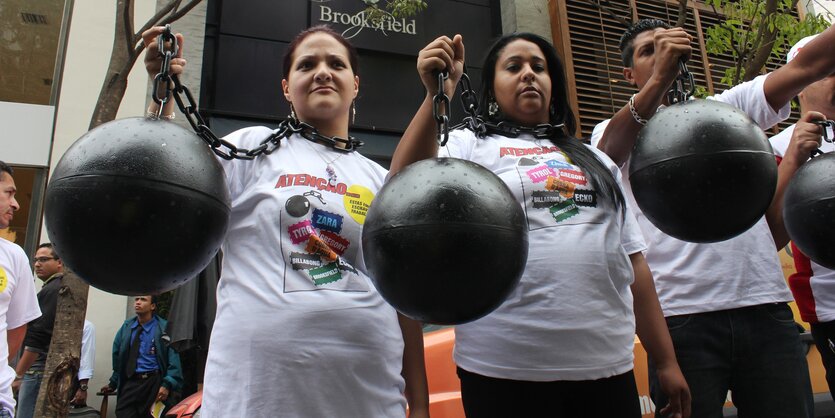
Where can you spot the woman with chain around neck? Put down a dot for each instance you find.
(300, 329)
(563, 340)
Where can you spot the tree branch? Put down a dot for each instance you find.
(766, 37)
(682, 13)
(609, 11)
(164, 10)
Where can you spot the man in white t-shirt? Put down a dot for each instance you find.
(813, 285)
(725, 302)
(18, 304)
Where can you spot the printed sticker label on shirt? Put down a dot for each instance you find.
(545, 199)
(587, 198)
(302, 261)
(328, 273)
(573, 176)
(4, 280)
(315, 245)
(301, 231)
(327, 221)
(558, 165)
(564, 210)
(565, 188)
(357, 199)
(540, 173)
(337, 243)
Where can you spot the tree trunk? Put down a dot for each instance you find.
(62, 362)
(765, 37)
(122, 58)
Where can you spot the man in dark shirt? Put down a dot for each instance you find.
(145, 367)
(50, 269)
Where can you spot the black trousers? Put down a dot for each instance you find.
(824, 335)
(137, 395)
(488, 397)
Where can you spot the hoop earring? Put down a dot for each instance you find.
(353, 112)
(492, 107)
(293, 112)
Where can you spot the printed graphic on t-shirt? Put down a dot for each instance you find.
(555, 191)
(4, 280)
(318, 232)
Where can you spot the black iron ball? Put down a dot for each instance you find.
(702, 171)
(809, 209)
(137, 206)
(445, 241)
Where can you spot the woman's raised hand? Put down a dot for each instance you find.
(442, 54)
(153, 60)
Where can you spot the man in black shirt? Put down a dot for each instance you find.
(50, 269)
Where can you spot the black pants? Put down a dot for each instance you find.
(488, 397)
(137, 395)
(824, 335)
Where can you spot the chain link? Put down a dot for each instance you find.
(440, 109)
(684, 85)
(824, 124)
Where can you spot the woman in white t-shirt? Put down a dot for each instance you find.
(300, 330)
(563, 340)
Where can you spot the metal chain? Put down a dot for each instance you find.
(190, 110)
(824, 124)
(512, 130)
(684, 85)
(440, 114)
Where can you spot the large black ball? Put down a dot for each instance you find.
(702, 171)
(445, 241)
(809, 209)
(137, 206)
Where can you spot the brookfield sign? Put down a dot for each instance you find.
(358, 21)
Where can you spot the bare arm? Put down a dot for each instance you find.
(816, 61)
(418, 142)
(652, 330)
(668, 47)
(14, 337)
(414, 368)
(26, 360)
(805, 139)
(622, 132)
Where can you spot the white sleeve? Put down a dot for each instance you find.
(88, 351)
(597, 133)
(750, 98)
(631, 237)
(460, 145)
(23, 306)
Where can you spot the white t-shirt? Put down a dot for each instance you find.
(742, 271)
(300, 329)
(571, 316)
(18, 307)
(822, 282)
(88, 351)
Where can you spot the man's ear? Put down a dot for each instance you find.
(628, 76)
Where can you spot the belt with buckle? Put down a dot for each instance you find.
(145, 375)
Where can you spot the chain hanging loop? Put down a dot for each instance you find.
(683, 87)
(826, 125)
(440, 109)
